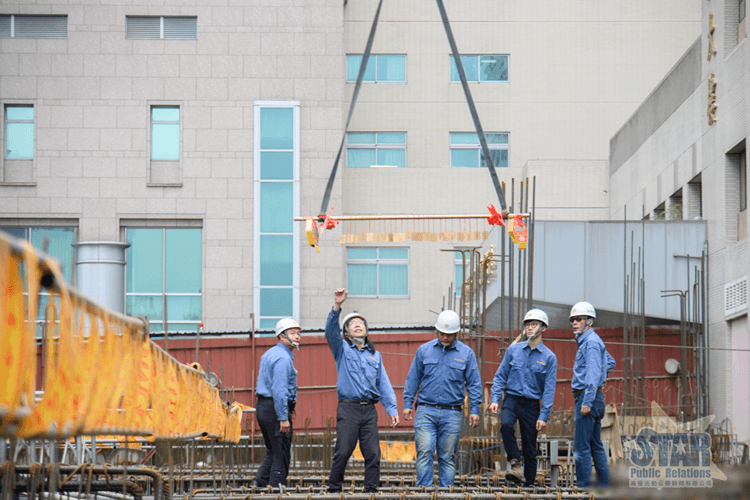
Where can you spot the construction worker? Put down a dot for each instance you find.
(590, 370)
(441, 371)
(527, 374)
(362, 382)
(277, 394)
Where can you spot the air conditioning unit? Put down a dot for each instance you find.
(735, 297)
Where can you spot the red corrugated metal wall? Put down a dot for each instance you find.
(232, 359)
(317, 371)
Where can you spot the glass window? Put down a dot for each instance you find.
(276, 175)
(19, 132)
(276, 128)
(58, 242)
(168, 27)
(276, 207)
(165, 133)
(380, 68)
(164, 272)
(743, 180)
(481, 68)
(458, 273)
(15, 26)
(466, 151)
(381, 149)
(378, 272)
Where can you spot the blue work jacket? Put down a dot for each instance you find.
(529, 373)
(592, 364)
(361, 374)
(441, 374)
(277, 378)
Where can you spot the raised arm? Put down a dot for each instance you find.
(333, 331)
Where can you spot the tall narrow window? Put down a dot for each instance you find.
(458, 264)
(378, 272)
(380, 68)
(379, 149)
(742, 216)
(165, 133)
(466, 151)
(276, 286)
(481, 68)
(164, 268)
(743, 180)
(19, 132)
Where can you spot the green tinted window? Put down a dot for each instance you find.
(276, 128)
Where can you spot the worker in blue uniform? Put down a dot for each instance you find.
(592, 364)
(277, 395)
(527, 374)
(362, 382)
(440, 373)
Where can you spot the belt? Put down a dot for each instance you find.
(291, 402)
(443, 407)
(359, 401)
(578, 393)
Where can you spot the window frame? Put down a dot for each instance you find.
(742, 184)
(164, 225)
(161, 28)
(477, 147)
(295, 234)
(479, 68)
(374, 57)
(12, 24)
(378, 262)
(165, 172)
(17, 171)
(458, 267)
(6, 122)
(378, 146)
(29, 226)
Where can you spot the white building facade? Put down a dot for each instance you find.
(194, 133)
(683, 155)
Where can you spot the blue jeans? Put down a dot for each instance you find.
(435, 426)
(526, 412)
(588, 443)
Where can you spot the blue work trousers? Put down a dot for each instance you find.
(526, 412)
(588, 443)
(436, 427)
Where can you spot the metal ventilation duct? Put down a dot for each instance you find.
(100, 272)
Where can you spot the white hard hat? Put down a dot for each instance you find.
(351, 316)
(285, 324)
(538, 315)
(583, 309)
(448, 322)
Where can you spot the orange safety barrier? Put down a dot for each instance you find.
(102, 375)
(391, 451)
